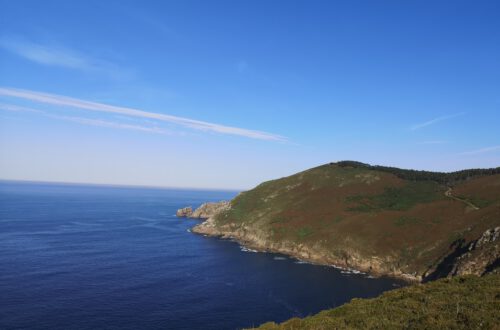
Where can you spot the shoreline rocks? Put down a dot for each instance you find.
(311, 254)
(184, 212)
(205, 211)
(482, 255)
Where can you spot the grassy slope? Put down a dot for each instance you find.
(350, 211)
(459, 303)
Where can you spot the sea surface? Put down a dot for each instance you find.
(98, 257)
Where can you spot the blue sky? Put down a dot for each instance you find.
(227, 94)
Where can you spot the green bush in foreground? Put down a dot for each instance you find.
(468, 302)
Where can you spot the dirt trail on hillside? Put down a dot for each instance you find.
(448, 194)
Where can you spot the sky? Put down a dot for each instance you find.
(227, 94)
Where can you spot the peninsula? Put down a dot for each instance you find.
(415, 225)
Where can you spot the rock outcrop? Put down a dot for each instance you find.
(208, 210)
(478, 257)
(184, 212)
(483, 255)
(205, 211)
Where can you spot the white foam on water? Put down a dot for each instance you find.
(245, 249)
(302, 262)
(351, 271)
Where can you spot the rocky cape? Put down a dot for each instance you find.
(418, 226)
(205, 211)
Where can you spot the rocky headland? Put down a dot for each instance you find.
(368, 220)
(185, 212)
(205, 211)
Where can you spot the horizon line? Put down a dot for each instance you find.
(161, 187)
(118, 185)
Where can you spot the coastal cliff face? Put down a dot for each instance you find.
(369, 220)
(482, 256)
(479, 257)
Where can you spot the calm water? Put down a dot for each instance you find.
(86, 257)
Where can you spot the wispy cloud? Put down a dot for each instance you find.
(55, 55)
(480, 151)
(60, 100)
(110, 124)
(435, 121)
(87, 121)
(17, 108)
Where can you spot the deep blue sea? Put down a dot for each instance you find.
(97, 257)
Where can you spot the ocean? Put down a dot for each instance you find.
(102, 257)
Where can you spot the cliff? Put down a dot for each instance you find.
(482, 256)
(478, 257)
(385, 221)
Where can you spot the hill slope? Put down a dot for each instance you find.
(460, 303)
(416, 225)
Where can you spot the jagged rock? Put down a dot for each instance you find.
(482, 257)
(208, 210)
(478, 257)
(184, 212)
(205, 211)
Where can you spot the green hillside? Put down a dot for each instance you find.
(382, 220)
(468, 302)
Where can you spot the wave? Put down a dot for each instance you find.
(351, 271)
(302, 262)
(245, 249)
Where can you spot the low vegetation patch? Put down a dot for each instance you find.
(304, 232)
(460, 303)
(405, 220)
(397, 199)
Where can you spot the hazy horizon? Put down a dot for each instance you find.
(154, 186)
(226, 95)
